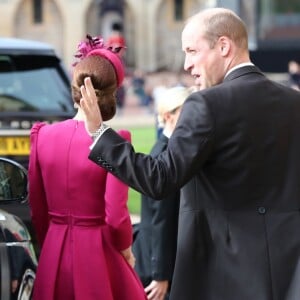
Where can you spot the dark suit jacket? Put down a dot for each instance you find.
(236, 151)
(155, 244)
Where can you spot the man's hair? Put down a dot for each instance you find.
(219, 22)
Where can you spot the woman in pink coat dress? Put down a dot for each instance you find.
(78, 210)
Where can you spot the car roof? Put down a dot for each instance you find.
(23, 46)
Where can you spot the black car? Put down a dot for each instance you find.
(18, 260)
(34, 86)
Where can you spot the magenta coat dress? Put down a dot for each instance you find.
(81, 219)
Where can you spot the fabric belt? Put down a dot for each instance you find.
(68, 219)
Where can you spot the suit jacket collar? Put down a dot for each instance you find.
(163, 138)
(242, 71)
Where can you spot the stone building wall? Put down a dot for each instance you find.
(151, 32)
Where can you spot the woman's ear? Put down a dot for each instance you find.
(166, 116)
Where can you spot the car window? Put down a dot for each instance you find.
(33, 84)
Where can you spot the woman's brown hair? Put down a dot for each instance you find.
(104, 80)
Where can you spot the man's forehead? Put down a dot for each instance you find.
(193, 29)
(191, 39)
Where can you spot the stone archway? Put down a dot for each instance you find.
(102, 15)
(92, 23)
(49, 31)
(168, 35)
(100, 22)
(169, 54)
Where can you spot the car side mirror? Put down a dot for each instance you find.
(13, 181)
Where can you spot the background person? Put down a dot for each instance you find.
(80, 211)
(116, 42)
(138, 83)
(294, 75)
(155, 244)
(235, 153)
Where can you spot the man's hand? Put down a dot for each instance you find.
(157, 290)
(90, 108)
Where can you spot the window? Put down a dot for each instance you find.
(178, 10)
(287, 6)
(32, 88)
(37, 11)
(279, 20)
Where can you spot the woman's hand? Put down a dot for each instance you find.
(128, 255)
(90, 108)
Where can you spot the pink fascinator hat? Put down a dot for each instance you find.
(96, 46)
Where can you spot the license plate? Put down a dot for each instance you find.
(14, 145)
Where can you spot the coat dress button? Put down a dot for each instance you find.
(262, 210)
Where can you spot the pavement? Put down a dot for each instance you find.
(132, 114)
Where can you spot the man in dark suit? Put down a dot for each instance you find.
(235, 153)
(155, 244)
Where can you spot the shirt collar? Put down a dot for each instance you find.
(167, 133)
(239, 66)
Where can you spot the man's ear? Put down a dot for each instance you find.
(166, 116)
(224, 44)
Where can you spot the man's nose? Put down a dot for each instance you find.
(187, 64)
